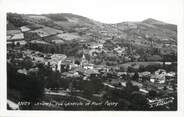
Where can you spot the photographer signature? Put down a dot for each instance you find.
(160, 102)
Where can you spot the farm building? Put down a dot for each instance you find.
(24, 28)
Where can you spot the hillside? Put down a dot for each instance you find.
(139, 37)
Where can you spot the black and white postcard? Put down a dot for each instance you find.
(92, 55)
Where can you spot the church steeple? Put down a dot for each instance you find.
(83, 60)
(83, 57)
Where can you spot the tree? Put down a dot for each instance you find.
(130, 69)
(11, 76)
(52, 50)
(136, 76)
(139, 102)
(77, 62)
(18, 44)
(16, 19)
(27, 63)
(53, 80)
(13, 44)
(34, 89)
(152, 94)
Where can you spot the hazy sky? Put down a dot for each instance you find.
(107, 11)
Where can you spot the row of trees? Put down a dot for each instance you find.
(70, 48)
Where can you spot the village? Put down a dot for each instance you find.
(83, 68)
(160, 81)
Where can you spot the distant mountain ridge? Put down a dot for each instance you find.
(139, 33)
(161, 24)
(153, 21)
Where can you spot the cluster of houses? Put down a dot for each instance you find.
(16, 36)
(69, 68)
(156, 81)
(60, 61)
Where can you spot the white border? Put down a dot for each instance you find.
(5, 113)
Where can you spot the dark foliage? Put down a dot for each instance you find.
(16, 19)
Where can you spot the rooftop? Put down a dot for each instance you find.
(24, 28)
(16, 36)
(39, 42)
(12, 32)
